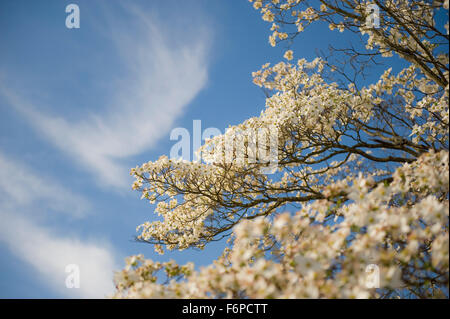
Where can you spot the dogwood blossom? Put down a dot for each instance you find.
(362, 180)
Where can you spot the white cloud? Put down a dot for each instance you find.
(165, 72)
(21, 186)
(22, 191)
(50, 254)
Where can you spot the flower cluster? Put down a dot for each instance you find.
(396, 31)
(302, 255)
(366, 168)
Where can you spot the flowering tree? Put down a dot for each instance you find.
(365, 167)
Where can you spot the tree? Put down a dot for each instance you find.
(365, 167)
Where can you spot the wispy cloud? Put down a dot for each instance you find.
(49, 254)
(162, 69)
(21, 187)
(23, 191)
(165, 71)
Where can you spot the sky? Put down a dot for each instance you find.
(79, 107)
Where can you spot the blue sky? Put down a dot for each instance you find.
(80, 107)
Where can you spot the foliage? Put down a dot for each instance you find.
(366, 167)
